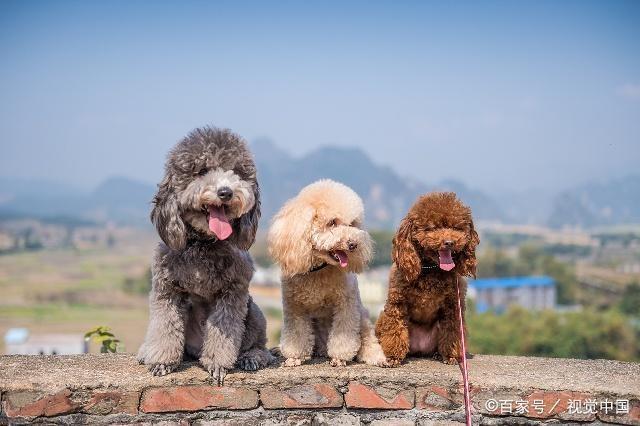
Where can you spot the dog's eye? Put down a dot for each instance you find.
(332, 223)
(203, 171)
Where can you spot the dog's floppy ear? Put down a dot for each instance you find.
(404, 252)
(290, 238)
(244, 229)
(165, 215)
(469, 262)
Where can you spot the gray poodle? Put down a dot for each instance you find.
(206, 211)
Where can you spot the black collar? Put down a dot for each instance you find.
(319, 267)
(426, 267)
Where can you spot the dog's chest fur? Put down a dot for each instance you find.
(428, 295)
(317, 293)
(207, 268)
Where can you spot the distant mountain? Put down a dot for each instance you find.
(118, 199)
(386, 194)
(123, 200)
(611, 202)
(39, 198)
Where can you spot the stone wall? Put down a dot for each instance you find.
(114, 389)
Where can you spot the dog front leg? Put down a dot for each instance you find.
(223, 333)
(344, 338)
(163, 346)
(449, 343)
(296, 342)
(253, 353)
(392, 330)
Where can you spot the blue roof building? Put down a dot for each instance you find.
(532, 292)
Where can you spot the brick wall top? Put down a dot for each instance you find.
(114, 387)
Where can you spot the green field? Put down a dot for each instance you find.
(72, 291)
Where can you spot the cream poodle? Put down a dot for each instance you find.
(318, 241)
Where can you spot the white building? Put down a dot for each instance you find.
(18, 341)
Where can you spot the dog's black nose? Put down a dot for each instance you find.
(352, 245)
(448, 244)
(225, 193)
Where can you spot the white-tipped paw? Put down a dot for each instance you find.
(218, 373)
(215, 370)
(335, 362)
(392, 363)
(380, 363)
(377, 359)
(292, 362)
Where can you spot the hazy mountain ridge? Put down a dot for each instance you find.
(387, 194)
(117, 199)
(611, 202)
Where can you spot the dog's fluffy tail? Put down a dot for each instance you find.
(370, 351)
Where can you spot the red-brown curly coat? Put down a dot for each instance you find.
(420, 316)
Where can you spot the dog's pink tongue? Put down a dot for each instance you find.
(342, 258)
(446, 261)
(218, 222)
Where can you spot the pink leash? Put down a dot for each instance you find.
(463, 365)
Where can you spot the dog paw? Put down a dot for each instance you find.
(292, 362)
(450, 361)
(218, 373)
(384, 363)
(248, 364)
(335, 362)
(275, 351)
(378, 363)
(215, 370)
(161, 369)
(392, 363)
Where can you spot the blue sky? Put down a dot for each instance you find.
(501, 95)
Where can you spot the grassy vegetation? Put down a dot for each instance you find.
(71, 291)
(584, 334)
(382, 248)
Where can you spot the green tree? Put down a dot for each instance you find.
(630, 301)
(138, 285)
(382, 241)
(260, 253)
(586, 334)
(495, 263)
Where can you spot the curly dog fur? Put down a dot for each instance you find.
(318, 241)
(206, 211)
(420, 315)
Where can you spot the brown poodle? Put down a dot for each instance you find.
(433, 248)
